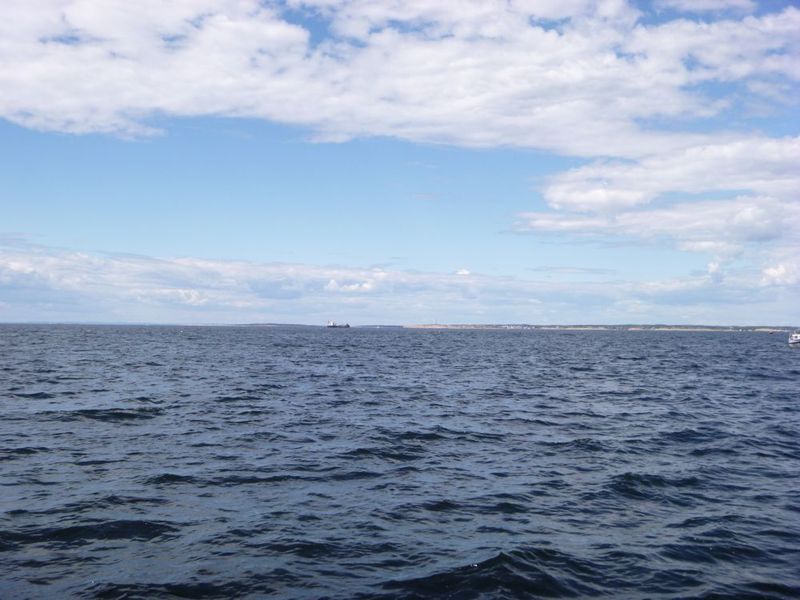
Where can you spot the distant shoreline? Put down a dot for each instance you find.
(451, 326)
(525, 327)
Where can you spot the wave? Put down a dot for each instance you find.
(418, 465)
(85, 533)
(111, 415)
(517, 574)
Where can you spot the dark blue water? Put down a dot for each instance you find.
(149, 462)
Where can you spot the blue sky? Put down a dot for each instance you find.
(370, 161)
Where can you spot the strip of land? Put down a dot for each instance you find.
(522, 326)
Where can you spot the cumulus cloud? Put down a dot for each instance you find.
(574, 76)
(781, 267)
(720, 227)
(636, 199)
(781, 274)
(759, 165)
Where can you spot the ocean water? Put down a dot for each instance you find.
(159, 462)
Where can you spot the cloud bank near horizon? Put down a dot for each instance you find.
(48, 284)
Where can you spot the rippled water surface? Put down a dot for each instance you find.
(147, 462)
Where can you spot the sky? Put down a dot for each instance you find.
(400, 162)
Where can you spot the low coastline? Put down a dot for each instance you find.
(526, 327)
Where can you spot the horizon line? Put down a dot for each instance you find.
(400, 325)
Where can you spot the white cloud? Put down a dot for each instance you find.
(781, 274)
(722, 51)
(758, 165)
(635, 200)
(363, 286)
(720, 227)
(715, 272)
(782, 265)
(473, 73)
(38, 283)
(577, 77)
